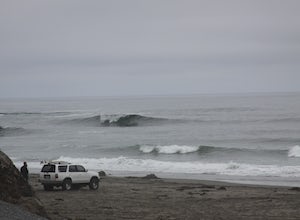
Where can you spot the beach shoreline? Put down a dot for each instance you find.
(156, 198)
(224, 179)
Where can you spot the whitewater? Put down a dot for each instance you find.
(247, 138)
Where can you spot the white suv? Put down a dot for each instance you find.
(67, 176)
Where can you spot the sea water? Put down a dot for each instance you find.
(246, 137)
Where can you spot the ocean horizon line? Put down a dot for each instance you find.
(171, 95)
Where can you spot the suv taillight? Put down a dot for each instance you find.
(56, 176)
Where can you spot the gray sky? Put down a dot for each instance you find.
(124, 47)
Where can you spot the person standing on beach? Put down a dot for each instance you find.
(24, 171)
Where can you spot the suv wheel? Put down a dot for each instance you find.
(94, 183)
(67, 184)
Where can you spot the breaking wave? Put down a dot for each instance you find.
(294, 151)
(185, 149)
(129, 120)
(133, 120)
(171, 149)
(125, 164)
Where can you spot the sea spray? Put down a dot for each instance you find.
(126, 165)
(294, 151)
(169, 149)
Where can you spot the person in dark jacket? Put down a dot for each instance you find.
(24, 171)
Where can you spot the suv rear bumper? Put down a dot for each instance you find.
(50, 182)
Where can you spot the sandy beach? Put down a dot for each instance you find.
(146, 198)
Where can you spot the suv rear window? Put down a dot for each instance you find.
(62, 168)
(48, 168)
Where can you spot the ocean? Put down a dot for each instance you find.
(249, 138)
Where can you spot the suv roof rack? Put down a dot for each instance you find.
(60, 162)
(55, 162)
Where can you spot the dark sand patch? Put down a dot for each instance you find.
(139, 198)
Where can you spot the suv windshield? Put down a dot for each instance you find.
(48, 168)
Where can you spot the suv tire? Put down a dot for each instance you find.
(67, 184)
(94, 183)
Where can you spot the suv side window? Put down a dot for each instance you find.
(49, 168)
(72, 168)
(80, 168)
(62, 169)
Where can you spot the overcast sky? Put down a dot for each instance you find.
(124, 47)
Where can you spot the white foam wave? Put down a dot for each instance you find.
(124, 164)
(169, 149)
(294, 151)
(233, 165)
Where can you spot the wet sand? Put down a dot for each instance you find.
(139, 198)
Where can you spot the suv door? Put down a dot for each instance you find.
(74, 174)
(82, 174)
